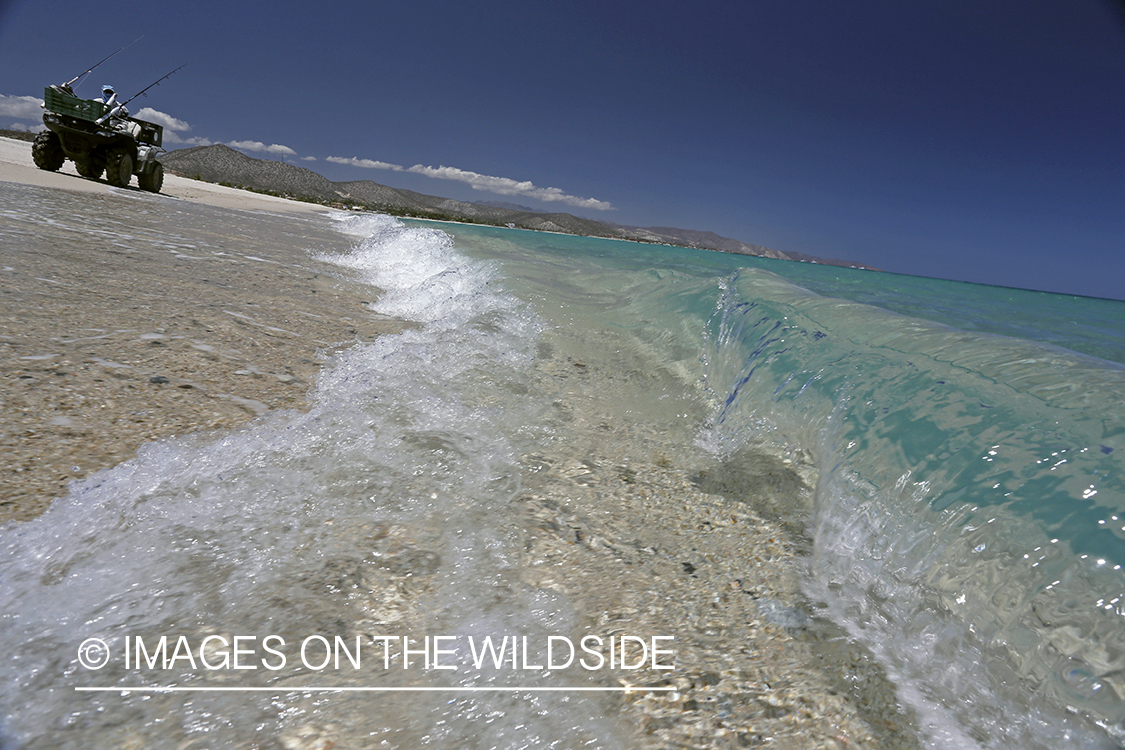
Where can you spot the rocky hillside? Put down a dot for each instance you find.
(705, 240)
(19, 135)
(224, 165)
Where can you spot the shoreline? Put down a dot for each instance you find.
(111, 339)
(159, 316)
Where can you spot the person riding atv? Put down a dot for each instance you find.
(99, 135)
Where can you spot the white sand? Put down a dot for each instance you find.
(16, 166)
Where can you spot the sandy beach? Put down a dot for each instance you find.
(104, 347)
(16, 166)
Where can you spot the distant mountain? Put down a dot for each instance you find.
(222, 164)
(19, 135)
(704, 240)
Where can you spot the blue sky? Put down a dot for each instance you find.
(980, 141)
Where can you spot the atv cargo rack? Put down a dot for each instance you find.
(58, 100)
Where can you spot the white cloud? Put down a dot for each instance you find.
(308, 158)
(259, 146)
(507, 186)
(23, 107)
(28, 128)
(498, 185)
(169, 122)
(170, 136)
(365, 163)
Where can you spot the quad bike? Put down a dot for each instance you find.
(98, 138)
(97, 141)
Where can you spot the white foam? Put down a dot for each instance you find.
(420, 274)
(204, 536)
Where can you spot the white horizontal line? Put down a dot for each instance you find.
(322, 689)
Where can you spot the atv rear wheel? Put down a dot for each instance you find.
(47, 152)
(152, 179)
(119, 168)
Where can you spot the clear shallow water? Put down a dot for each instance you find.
(966, 523)
(1082, 324)
(965, 519)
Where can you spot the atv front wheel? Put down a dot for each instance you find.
(119, 168)
(152, 179)
(90, 167)
(47, 152)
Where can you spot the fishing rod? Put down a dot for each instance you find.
(146, 88)
(101, 120)
(72, 80)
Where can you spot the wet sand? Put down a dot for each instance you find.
(113, 334)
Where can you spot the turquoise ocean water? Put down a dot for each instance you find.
(965, 447)
(969, 514)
